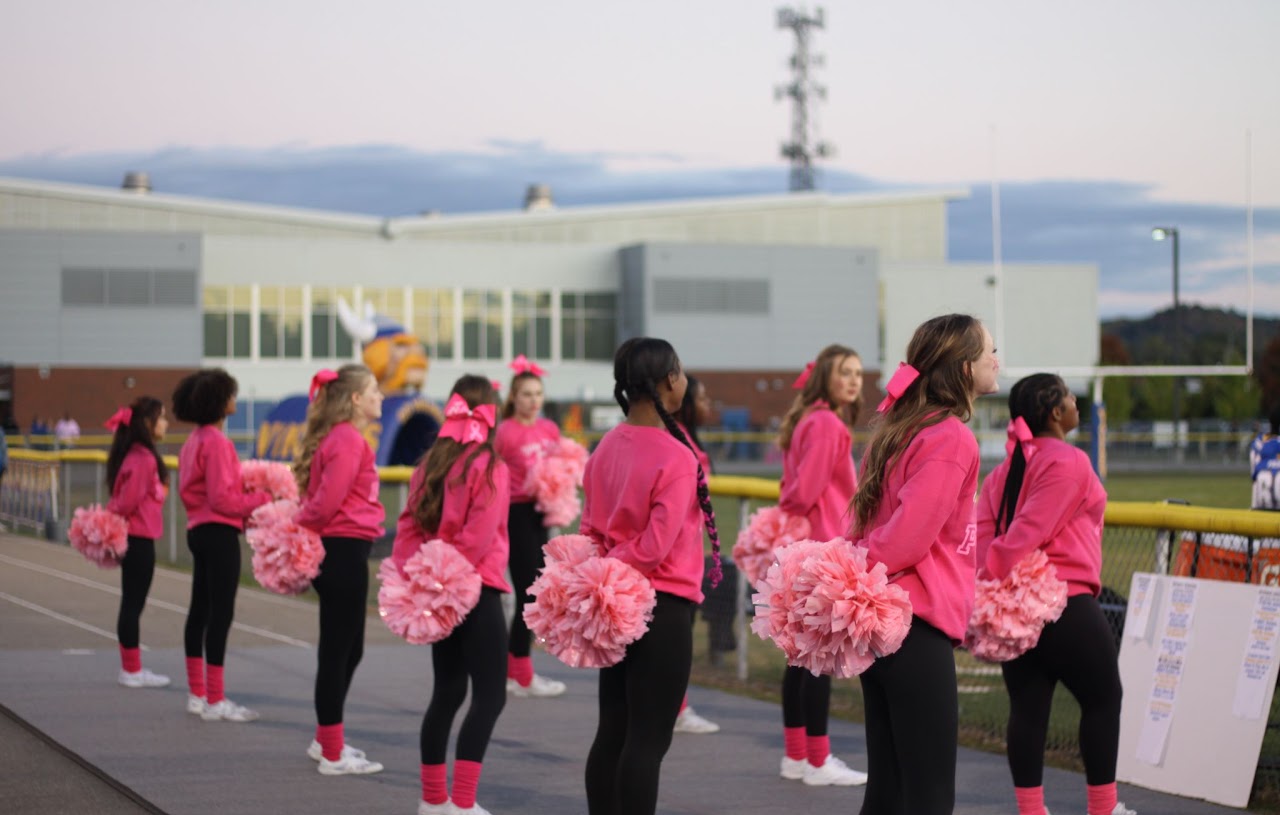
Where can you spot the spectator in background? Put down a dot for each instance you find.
(67, 430)
(39, 431)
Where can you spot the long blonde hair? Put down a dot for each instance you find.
(439, 460)
(332, 406)
(818, 387)
(942, 350)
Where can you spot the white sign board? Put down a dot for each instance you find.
(1198, 661)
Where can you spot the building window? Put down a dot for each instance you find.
(433, 321)
(531, 324)
(387, 302)
(227, 317)
(481, 325)
(588, 325)
(280, 322)
(329, 340)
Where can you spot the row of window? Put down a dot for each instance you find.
(301, 322)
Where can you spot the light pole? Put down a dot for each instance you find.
(1158, 234)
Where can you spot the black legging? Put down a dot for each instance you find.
(215, 576)
(806, 700)
(528, 536)
(136, 569)
(911, 725)
(473, 651)
(343, 587)
(639, 700)
(1078, 650)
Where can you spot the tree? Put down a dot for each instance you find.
(1268, 374)
(1117, 392)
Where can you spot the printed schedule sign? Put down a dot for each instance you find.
(1198, 664)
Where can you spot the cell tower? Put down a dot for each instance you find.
(801, 89)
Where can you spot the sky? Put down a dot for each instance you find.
(1099, 119)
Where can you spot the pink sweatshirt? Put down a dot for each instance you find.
(513, 442)
(924, 531)
(473, 519)
(640, 504)
(1059, 510)
(138, 494)
(818, 479)
(209, 481)
(342, 491)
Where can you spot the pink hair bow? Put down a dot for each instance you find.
(464, 425)
(898, 384)
(318, 381)
(524, 365)
(1020, 434)
(120, 418)
(803, 378)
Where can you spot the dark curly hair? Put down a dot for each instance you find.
(201, 398)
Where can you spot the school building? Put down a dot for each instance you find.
(109, 292)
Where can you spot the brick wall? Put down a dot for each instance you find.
(90, 395)
(768, 394)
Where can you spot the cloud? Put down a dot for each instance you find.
(1107, 223)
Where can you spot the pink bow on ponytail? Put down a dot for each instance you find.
(318, 381)
(121, 418)
(898, 384)
(524, 365)
(803, 378)
(1020, 435)
(464, 425)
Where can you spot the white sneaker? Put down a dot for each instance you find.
(833, 772)
(540, 686)
(793, 768)
(315, 752)
(1121, 809)
(348, 765)
(227, 711)
(446, 808)
(143, 679)
(690, 722)
(474, 809)
(195, 704)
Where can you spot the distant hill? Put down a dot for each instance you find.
(1210, 336)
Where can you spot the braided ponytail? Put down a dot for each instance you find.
(704, 493)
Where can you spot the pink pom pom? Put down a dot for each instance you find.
(554, 478)
(1009, 614)
(286, 556)
(767, 529)
(588, 608)
(99, 535)
(435, 592)
(570, 549)
(829, 612)
(272, 477)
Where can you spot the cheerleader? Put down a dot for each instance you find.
(1045, 495)
(211, 489)
(459, 494)
(338, 480)
(818, 482)
(521, 437)
(646, 501)
(914, 512)
(139, 483)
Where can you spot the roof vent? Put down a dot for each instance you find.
(537, 198)
(136, 182)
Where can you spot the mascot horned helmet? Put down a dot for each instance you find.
(395, 356)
